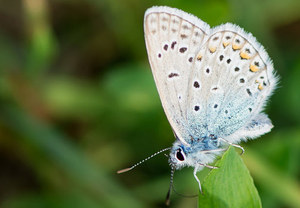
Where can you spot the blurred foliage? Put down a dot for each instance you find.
(78, 102)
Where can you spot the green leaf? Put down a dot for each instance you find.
(230, 185)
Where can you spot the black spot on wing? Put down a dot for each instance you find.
(182, 49)
(196, 84)
(166, 47)
(171, 75)
(221, 57)
(173, 44)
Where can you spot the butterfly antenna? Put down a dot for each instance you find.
(170, 187)
(142, 161)
(173, 188)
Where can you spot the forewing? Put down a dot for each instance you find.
(173, 39)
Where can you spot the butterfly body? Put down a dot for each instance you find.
(198, 152)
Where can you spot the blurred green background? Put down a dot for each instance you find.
(78, 102)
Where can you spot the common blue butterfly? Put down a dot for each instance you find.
(213, 84)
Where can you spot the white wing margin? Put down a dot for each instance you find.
(258, 126)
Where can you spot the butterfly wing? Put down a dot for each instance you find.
(259, 125)
(210, 81)
(236, 78)
(173, 39)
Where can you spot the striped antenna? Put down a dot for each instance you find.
(170, 187)
(142, 161)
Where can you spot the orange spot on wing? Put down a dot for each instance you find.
(212, 49)
(253, 68)
(244, 55)
(199, 57)
(225, 44)
(236, 47)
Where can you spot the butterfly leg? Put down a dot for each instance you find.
(235, 145)
(214, 150)
(197, 179)
(208, 166)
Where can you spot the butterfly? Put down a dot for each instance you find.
(213, 84)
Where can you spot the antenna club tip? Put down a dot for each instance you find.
(123, 170)
(168, 202)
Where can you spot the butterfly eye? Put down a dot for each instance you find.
(180, 155)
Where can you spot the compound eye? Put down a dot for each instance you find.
(179, 155)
